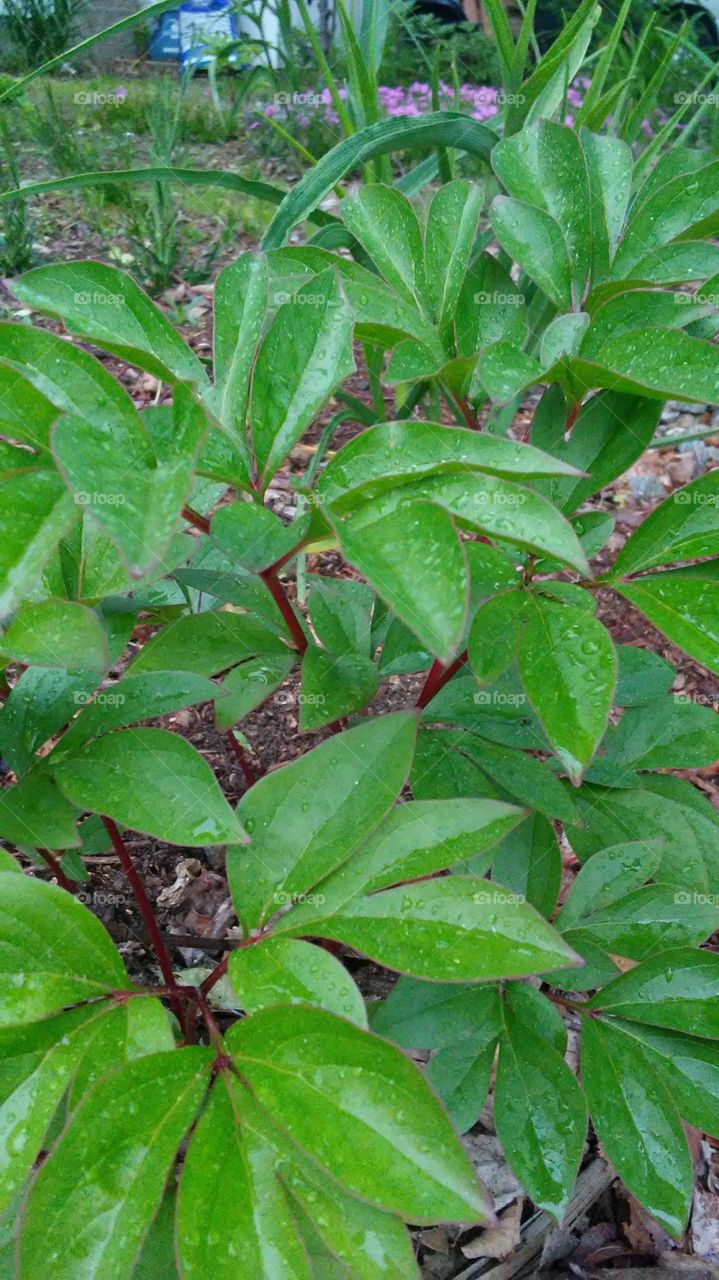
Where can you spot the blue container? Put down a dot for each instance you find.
(203, 23)
(165, 39)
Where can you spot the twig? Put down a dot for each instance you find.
(277, 591)
(241, 754)
(437, 679)
(146, 912)
(52, 863)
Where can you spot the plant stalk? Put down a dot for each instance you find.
(437, 679)
(277, 591)
(147, 913)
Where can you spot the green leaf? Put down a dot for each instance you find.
(340, 611)
(505, 371)
(533, 238)
(490, 308)
(76, 962)
(106, 307)
(529, 863)
(384, 222)
(25, 414)
(607, 877)
(495, 634)
(35, 812)
(546, 166)
(438, 128)
(207, 644)
(306, 353)
(254, 536)
(665, 214)
(637, 1123)
(568, 666)
(289, 971)
(460, 1075)
(652, 362)
(240, 304)
(70, 378)
(609, 162)
(457, 928)
(529, 1008)
(449, 240)
(8, 863)
(152, 781)
(688, 1067)
(414, 840)
(35, 512)
(663, 808)
(670, 733)
(413, 558)
(296, 1060)
(646, 921)
(526, 779)
(135, 697)
(676, 989)
(434, 1015)
(643, 676)
(683, 527)
(334, 686)
(280, 1192)
(396, 453)
(93, 1200)
(39, 1061)
(57, 633)
(684, 606)
(241, 1223)
(540, 1115)
(248, 685)
(611, 432)
(350, 1233)
(306, 818)
(134, 492)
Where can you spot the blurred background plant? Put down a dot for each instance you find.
(274, 99)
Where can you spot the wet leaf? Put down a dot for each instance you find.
(152, 781)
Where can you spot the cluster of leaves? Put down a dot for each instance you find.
(472, 554)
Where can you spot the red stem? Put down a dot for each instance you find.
(146, 912)
(241, 754)
(57, 870)
(218, 972)
(277, 591)
(438, 677)
(194, 517)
